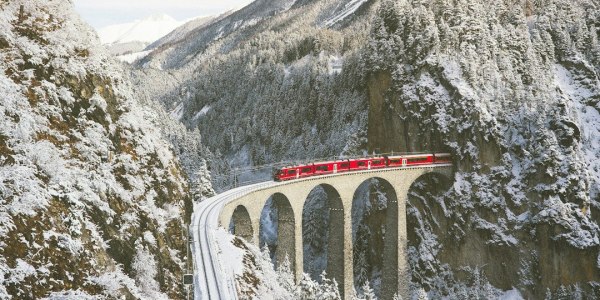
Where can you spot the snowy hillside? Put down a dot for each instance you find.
(182, 32)
(183, 52)
(512, 91)
(284, 54)
(92, 199)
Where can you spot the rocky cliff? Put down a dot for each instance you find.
(511, 88)
(92, 200)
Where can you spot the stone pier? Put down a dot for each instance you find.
(289, 198)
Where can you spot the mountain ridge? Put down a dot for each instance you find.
(147, 30)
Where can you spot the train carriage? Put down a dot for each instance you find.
(332, 167)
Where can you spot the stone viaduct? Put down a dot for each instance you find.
(289, 198)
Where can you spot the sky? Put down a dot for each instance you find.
(101, 13)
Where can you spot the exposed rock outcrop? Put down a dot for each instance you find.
(92, 200)
(511, 89)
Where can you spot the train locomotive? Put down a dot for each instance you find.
(359, 164)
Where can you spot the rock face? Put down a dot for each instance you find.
(92, 200)
(511, 88)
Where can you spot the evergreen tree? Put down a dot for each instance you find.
(368, 293)
(202, 188)
(308, 288)
(284, 274)
(329, 288)
(361, 264)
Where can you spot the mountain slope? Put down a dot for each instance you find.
(268, 70)
(92, 200)
(181, 54)
(512, 90)
(180, 33)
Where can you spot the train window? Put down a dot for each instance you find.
(395, 161)
(291, 172)
(322, 168)
(345, 165)
(306, 170)
(376, 162)
(361, 164)
(417, 159)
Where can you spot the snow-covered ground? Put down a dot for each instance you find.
(56, 153)
(130, 58)
(348, 10)
(216, 262)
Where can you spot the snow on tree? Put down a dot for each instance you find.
(88, 183)
(307, 288)
(361, 273)
(315, 233)
(329, 288)
(285, 277)
(145, 268)
(367, 291)
(202, 187)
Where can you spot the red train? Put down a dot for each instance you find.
(348, 165)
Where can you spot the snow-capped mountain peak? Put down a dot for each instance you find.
(146, 30)
(159, 18)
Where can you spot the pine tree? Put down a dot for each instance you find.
(308, 288)
(266, 254)
(284, 274)
(361, 272)
(368, 293)
(202, 187)
(329, 288)
(361, 263)
(313, 226)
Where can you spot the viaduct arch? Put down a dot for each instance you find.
(341, 190)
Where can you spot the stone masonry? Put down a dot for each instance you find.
(289, 197)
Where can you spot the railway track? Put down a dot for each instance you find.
(210, 282)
